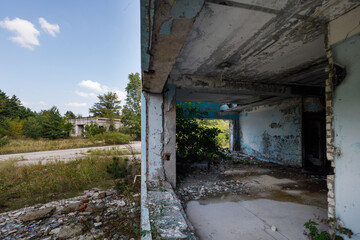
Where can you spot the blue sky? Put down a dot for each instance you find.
(65, 53)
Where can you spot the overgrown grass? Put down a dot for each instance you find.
(32, 145)
(27, 185)
(113, 151)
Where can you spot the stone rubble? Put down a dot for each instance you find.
(90, 216)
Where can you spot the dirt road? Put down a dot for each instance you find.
(62, 155)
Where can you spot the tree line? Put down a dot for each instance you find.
(19, 121)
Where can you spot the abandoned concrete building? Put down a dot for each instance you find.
(80, 123)
(285, 73)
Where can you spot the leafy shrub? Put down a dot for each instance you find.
(16, 127)
(4, 140)
(194, 140)
(52, 124)
(92, 130)
(121, 172)
(112, 138)
(32, 128)
(314, 233)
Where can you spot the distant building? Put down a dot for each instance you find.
(80, 123)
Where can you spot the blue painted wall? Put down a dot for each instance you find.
(214, 112)
(347, 134)
(273, 133)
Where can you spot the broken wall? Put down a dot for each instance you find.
(273, 132)
(346, 111)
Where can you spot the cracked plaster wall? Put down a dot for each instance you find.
(345, 144)
(273, 132)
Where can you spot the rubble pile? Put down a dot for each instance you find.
(95, 215)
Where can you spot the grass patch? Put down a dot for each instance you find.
(113, 151)
(22, 186)
(32, 145)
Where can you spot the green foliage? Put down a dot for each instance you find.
(195, 141)
(131, 112)
(122, 172)
(4, 140)
(70, 114)
(92, 130)
(112, 138)
(314, 233)
(108, 106)
(52, 124)
(223, 137)
(12, 108)
(68, 128)
(16, 127)
(32, 128)
(4, 126)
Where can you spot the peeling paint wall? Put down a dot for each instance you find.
(347, 134)
(273, 132)
(155, 171)
(169, 155)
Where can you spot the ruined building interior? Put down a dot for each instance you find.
(285, 73)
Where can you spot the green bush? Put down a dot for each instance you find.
(3, 140)
(32, 128)
(112, 138)
(194, 140)
(92, 130)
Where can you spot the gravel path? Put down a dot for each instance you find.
(62, 155)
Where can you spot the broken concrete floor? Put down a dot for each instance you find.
(252, 200)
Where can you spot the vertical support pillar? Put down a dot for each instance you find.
(330, 148)
(234, 130)
(169, 155)
(154, 138)
(145, 222)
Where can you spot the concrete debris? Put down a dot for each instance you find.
(63, 220)
(38, 214)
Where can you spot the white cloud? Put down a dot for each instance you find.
(85, 95)
(92, 85)
(25, 32)
(40, 103)
(52, 29)
(97, 87)
(75, 104)
(121, 96)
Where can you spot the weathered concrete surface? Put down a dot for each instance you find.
(346, 123)
(167, 214)
(169, 153)
(244, 200)
(251, 219)
(62, 155)
(273, 133)
(154, 138)
(80, 123)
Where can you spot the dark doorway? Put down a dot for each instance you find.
(315, 142)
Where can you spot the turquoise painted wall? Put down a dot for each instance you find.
(273, 133)
(347, 134)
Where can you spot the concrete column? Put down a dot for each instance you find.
(154, 138)
(169, 155)
(234, 130)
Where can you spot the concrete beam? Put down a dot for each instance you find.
(163, 34)
(239, 89)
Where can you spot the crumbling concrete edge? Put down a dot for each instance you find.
(145, 219)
